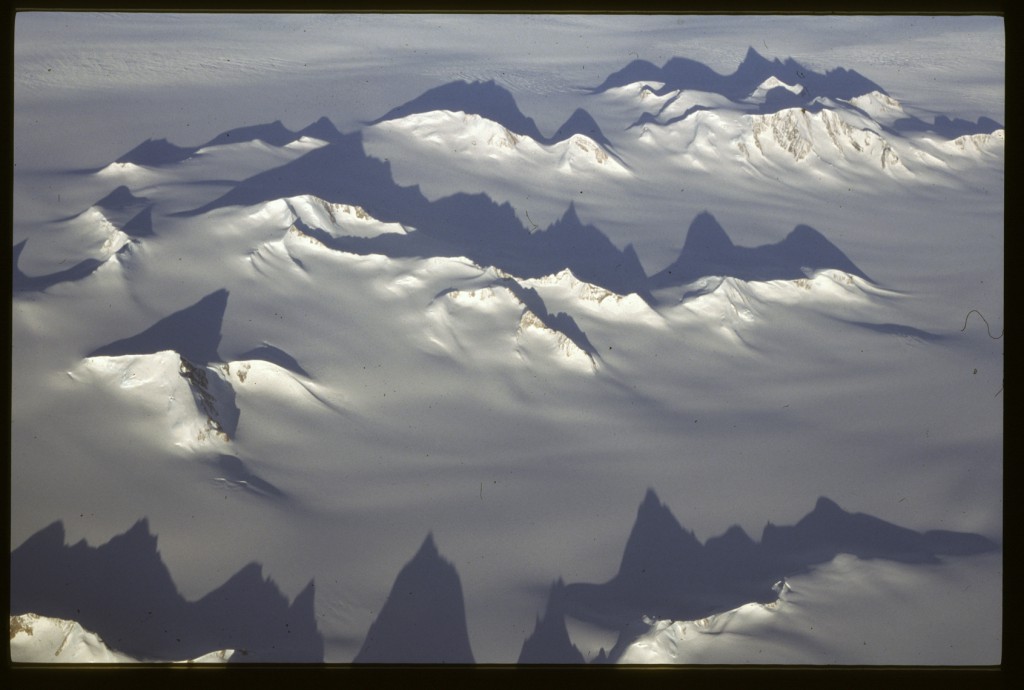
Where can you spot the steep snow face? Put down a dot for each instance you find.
(109, 238)
(44, 640)
(452, 134)
(339, 219)
(372, 379)
(880, 107)
(487, 324)
(825, 134)
(990, 145)
(536, 339)
(565, 292)
(805, 615)
(39, 639)
(197, 402)
(681, 103)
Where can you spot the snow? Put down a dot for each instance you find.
(495, 319)
(46, 640)
(806, 620)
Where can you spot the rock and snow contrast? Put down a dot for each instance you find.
(429, 357)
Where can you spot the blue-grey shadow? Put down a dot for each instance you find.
(193, 332)
(20, 282)
(666, 573)
(123, 591)
(550, 643)
(236, 472)
(491, 101)
(423, 620)
(708, 251)
(680, 73)
(470, 225)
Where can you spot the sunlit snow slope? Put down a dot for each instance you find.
(421, 371)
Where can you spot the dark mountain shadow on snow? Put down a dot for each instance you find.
(581, 122)
(549, 643)
(132, 214)
(141, 224)
(268, 353)
(423, 620)
(491, 101)
(123, 591)
(483, 98)
(666, 573)
(470, 225)
(158, 152)
(20, 282)
(680, 73)
(708, 251)
(947, 128)
(273, 133)
(323, 129)
(122, 199)
(193, 332)
(897, 329)
(237, 473)
(778, 99)
(560, 322)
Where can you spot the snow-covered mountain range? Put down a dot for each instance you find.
(420, 372)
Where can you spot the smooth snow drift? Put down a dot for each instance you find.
(368, 350)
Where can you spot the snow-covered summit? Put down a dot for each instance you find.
(467, 134)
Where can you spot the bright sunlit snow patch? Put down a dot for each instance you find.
(760, 94)
(39, 639)
(191, 399)
(565, 292)
(674, 642)
(339, 219)
(465, 134)
(536, 339)
(508, 307)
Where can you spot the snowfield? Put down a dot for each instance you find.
(547, 346)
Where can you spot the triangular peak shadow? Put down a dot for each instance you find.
(158, 152)
(123, 591)
(550, 643)
(493, 102)
(668, 574)
(193, 332)
(680, 73)
(423, 620)
(708, 251)
(469, 225)
(273, 133)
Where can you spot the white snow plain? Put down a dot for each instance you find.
(310, 344)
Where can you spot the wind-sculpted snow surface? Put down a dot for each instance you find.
(495, 314)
